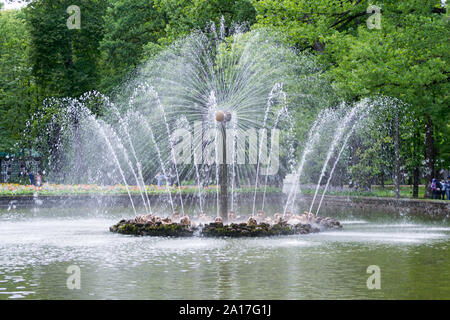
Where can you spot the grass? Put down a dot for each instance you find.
(406, 191)
(11, 189)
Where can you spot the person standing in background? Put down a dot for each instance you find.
(442, 196)
(433, 188)
(31, 177)
(159, 179)
(38, 179)
(447, 187)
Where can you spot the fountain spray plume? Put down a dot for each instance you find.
(139, 180)
(276, 87)
(344, 144)
(148, 127)
(337, 137)
(244, 74)
(280, 112)
(172, 152)
(313, 137)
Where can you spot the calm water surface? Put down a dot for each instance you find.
(38, 245)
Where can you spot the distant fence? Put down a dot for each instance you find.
(12, 167)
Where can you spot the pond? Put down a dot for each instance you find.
(37, 245)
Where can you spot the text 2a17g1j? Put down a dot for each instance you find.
(246, 309)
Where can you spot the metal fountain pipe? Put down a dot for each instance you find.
(223, 118)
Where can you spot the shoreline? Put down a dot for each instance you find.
(428, 207)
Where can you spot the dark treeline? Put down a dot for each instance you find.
(399, 51)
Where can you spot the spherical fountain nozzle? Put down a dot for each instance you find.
(222, 116)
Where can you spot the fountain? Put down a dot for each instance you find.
(208, 105)
(218, 117)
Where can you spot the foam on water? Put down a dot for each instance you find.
(353, 221)
(384, 236)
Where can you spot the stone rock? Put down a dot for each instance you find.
(155, 226)
(185, 221)
(175, 216)
(252, 222)
(166, 220)
(329, 223)
(268, 220)
(134, 227)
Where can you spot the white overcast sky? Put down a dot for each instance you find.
(12, 4)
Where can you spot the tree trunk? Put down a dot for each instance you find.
(382, 179)
(397, 160)
(416, 171)
(23, 162)
(54, 143)
(416, 177)
(78, 176)
(429, 156)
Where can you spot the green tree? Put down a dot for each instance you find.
(307, 24)
(65, 61)
(129, 25)
(187, 15)
(136, 30)
(17, 87)
(407, 58)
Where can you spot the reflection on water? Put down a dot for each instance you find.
(37, 246)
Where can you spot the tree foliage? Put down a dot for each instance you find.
(65, 61)
(406, 59)
(17, 87)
